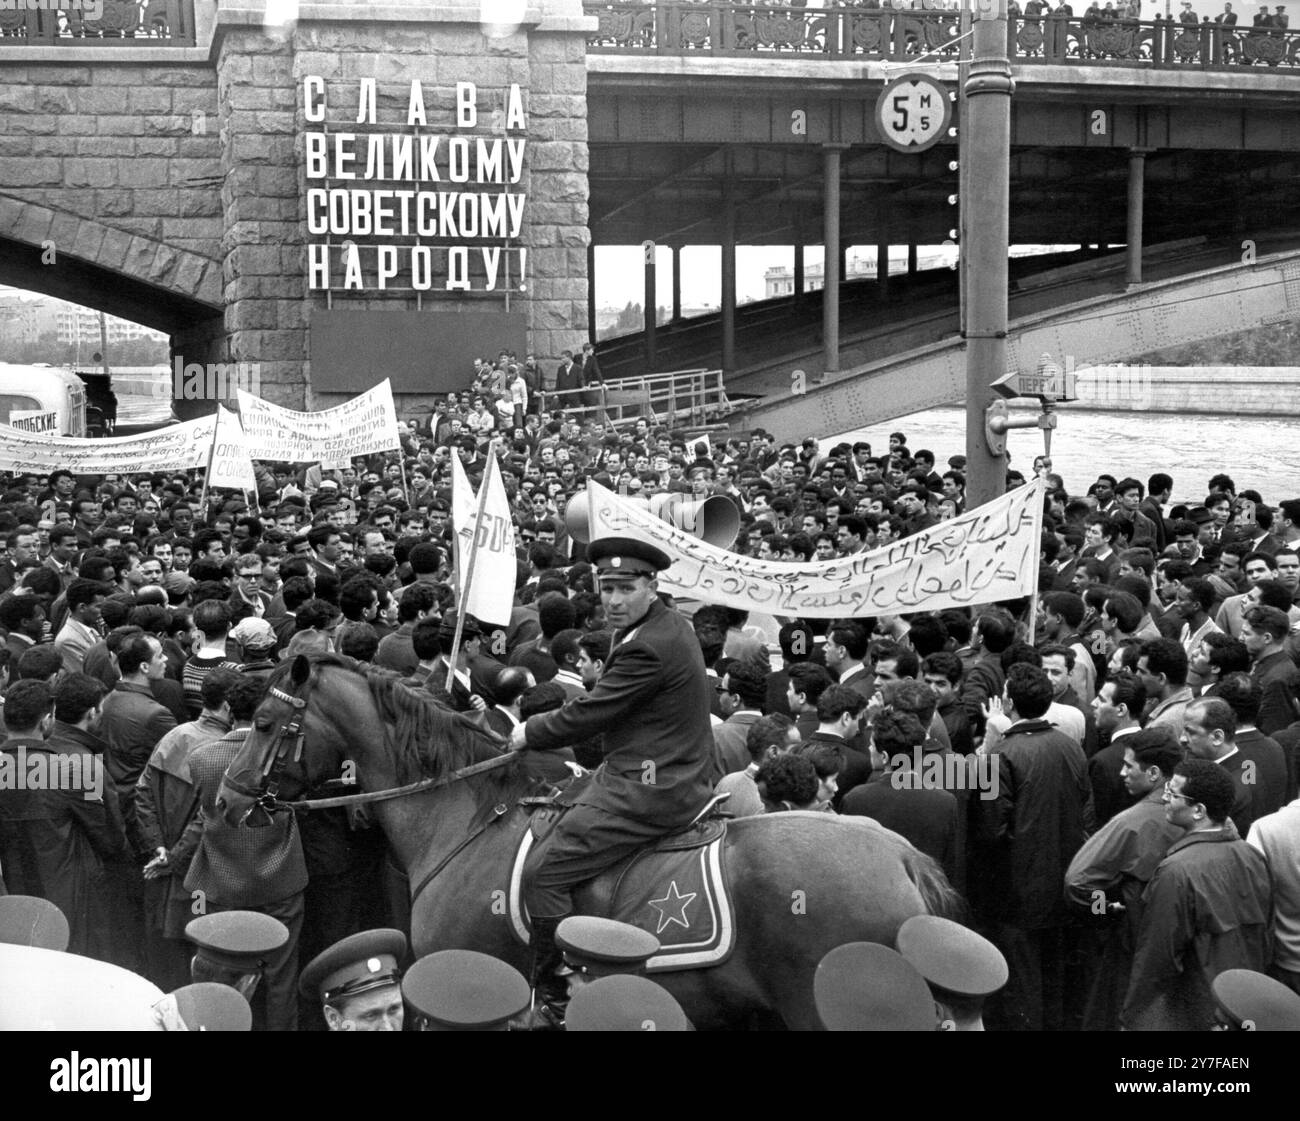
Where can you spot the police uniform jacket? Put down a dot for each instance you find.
(652, 706)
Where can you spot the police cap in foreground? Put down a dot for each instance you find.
(863, 986)
(232, 946)
(595, 947)
(625, 556)
(206, 1006)
(463, 990)
(625, 1003)
(961, 967)
(357, 981)
(1250, 1001)
(29, 920)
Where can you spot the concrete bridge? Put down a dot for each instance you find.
(156, 162)
(1087, 333)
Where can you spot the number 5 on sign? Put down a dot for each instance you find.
(913, 113)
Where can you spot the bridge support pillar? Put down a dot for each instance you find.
(831, 255)
(882, 272)
(798, 274)
(1137, 159)
(728, 281)
(677, 282)
(650, 307)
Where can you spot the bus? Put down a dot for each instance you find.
(42, 398)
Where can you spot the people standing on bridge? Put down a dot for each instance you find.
(589, 375)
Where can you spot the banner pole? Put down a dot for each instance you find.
(1040, 489)
(469, 569)
(207, 471)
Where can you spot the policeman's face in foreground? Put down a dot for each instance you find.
(376, 1010)
(626, 598)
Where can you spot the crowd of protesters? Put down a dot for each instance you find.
(1116, 800)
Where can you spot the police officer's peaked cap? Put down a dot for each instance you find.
(355, 964)
(236, 940)
(208, 1006)
(863, 986)
(626, 556)
(597, 947)
(952, 957)
(471, 629)
(1249, 998)
(624, 1003)
(29, 920)
(463, 990)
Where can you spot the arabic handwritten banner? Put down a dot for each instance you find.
(365, 424)
(987, 554)
(179, 447)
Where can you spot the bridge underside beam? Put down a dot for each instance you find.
(68, 278)
(1058, 196)
(1107, 329)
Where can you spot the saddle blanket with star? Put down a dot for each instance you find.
(680, 895)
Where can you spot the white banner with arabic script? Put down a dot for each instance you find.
(365, 424)
(984, 555)
(179, 447)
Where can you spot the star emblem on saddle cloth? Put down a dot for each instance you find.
(672, 907)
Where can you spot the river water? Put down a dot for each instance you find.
(1257, 452)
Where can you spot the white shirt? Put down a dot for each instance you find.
(1277, 836)
(1065, 718)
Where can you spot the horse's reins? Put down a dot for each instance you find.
(291, 733)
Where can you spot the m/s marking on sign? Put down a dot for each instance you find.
(913, 113)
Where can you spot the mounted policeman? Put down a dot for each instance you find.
(651, 705)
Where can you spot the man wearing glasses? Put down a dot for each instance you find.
(1207, 908)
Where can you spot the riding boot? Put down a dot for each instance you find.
(550, 991)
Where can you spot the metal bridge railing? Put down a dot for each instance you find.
(684, 397)
(838, 31)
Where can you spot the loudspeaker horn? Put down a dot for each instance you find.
(714, 520)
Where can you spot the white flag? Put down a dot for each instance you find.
(491, 540)
(231, 467)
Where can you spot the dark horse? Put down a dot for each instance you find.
(804, 883)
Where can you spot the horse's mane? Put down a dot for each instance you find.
(427, 739)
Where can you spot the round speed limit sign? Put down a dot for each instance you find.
(913, 113)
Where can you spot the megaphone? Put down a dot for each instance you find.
(715, 520)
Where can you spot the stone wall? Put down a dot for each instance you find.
(132, 148)
(189, 175)
(549, 68)
(263, 267)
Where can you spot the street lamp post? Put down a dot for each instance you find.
(984, 144)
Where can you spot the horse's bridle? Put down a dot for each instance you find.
(288, 748)
(290, 740)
